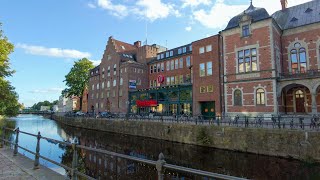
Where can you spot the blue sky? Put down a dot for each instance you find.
(49, 35)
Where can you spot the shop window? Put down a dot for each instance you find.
(247, 60)
(260, 97)
(202, 89)
(237, 98)
(209, 68)
(298, 59)
(202, 70)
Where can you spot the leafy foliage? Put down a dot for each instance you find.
(78, 78)
(38, 105)
(9, 105)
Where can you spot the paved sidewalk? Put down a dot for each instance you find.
(21, 168)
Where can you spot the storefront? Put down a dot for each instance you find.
(168, 100)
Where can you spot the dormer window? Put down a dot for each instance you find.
(308, 10)
(245, 30)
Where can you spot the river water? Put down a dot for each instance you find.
(238, 164)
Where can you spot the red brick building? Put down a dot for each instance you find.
(109, 82)
(271, 62)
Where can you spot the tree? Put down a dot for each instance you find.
(9, 105)
(78, 78)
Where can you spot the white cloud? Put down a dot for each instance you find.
(195, 3)
(118, 10)
(146, 9)
(189, 28)
(53, 52)
(95, 62)
(220, 13)
(50, 90)
(90, 5)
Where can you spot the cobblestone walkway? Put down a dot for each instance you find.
(21, 168)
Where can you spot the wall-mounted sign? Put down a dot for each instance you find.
(146, 103)
(132, 84)
(160, 79)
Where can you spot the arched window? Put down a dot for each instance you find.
(260, 97)
(298, 59)
(237, 98)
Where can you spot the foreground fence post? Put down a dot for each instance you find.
(159, 166)
(37, 156)
(3, 137)
(15, 151)
(74, 161)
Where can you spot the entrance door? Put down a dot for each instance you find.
(208, 109)
(299, 96)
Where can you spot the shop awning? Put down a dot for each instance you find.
(146, 103)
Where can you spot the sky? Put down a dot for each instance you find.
(49, 35)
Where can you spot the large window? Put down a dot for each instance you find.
(247, 60)
(209, 68)
(168, 65)
(245, 31)
(202, 70)
(181, 63)
(260, 97)
(298, 59)
(237, 98)
(176, 64)
(188, 63)
(115, 69)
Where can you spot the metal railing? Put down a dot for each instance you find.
(160, 164)
(296, 122)
(300, 74)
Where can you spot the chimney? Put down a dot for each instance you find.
(137, 44)
(284, 4)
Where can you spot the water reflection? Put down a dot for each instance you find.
(219, 161)
(109, 167)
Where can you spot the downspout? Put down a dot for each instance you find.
(221, 75)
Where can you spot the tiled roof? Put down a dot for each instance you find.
(299, 15)
(255, 13)
(122, 46)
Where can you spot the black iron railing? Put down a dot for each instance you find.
(301, 74)
(160, 165)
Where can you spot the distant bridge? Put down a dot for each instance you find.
(36, 112)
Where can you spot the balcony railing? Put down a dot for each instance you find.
(300, 74)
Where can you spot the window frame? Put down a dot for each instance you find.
(237, 102)
(260, 97)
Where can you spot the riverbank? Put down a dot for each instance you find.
(296, 144)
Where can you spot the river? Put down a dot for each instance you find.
(238, 164)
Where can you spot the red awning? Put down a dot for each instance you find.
(146, 103)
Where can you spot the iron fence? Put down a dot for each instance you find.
(294, 122)
(160, 165)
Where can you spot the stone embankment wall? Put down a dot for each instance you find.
(303, 145)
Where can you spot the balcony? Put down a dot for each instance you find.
(312, 73)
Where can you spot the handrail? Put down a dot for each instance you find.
(160, 164)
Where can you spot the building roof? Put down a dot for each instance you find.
(300, 15)
(122, 46)
(256, 14)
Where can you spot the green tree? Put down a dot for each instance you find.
(78, 78)
(9, 105)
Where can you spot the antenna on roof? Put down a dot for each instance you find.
(146, 43)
